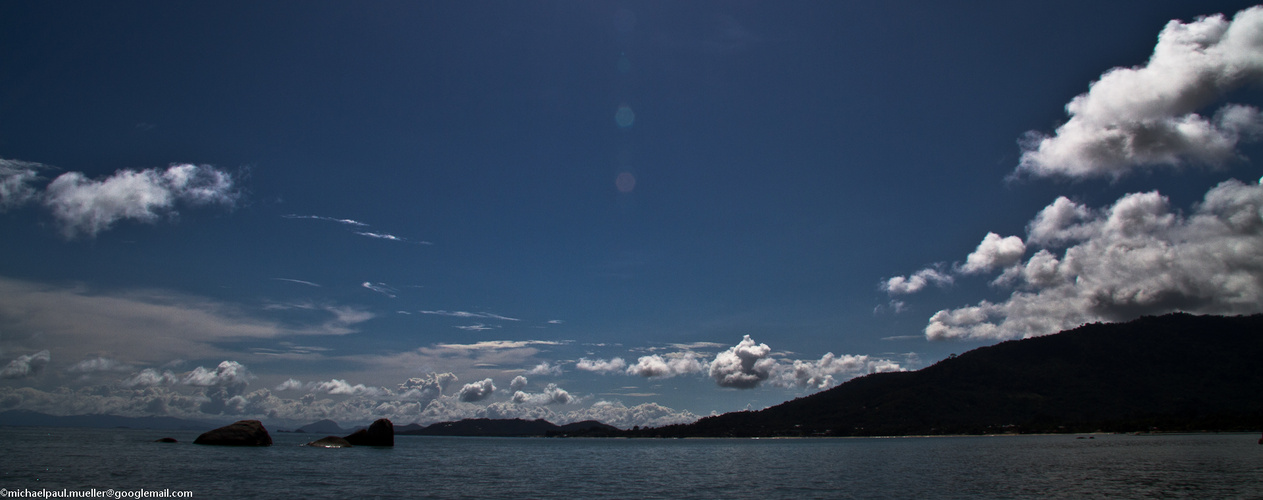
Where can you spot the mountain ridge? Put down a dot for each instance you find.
(1176, 372)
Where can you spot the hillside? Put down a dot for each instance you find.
(1172, 373)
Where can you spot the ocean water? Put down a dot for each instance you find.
(1107, 466)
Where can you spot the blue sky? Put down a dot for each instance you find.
(641, 212)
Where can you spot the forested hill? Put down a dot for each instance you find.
(1169, 373)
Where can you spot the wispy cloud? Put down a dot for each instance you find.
(348, 222)
(465, 314)
(380, 236)
(381, 288)
(500, 344)
(301, 282)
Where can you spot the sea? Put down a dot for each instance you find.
(127, 463)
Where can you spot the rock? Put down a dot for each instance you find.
(330, 442)
(240, 433)
(165, 440)
(380, 433)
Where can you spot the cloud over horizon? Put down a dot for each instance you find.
(1137, 257)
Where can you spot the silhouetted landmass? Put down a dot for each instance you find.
(1171, 373)
(26, 418)
(504, 428)
(322, 427)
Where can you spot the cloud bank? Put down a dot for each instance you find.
(1136, 257)
(1147, 116)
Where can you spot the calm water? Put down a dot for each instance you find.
(1113, 466)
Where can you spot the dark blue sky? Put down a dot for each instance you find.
(314, 202)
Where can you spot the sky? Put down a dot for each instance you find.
(636, 212)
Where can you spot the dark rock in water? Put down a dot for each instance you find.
(166, 440)
(380, 433)
(330, 442)
(240, 433)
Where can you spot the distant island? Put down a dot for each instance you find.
(1172, 373)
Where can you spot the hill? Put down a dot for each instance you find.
(325, 426)
(503, 428)
(1172, 373)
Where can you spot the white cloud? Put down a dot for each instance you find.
(16, 179)
(994, 252)
(427, 387)
(381, 288)
(681, 363)
(342, 387)
(26, 365)
(227, 373)
(552, 395)
(330, 219)
(465, 314)
(497, 344)
(899, 285)
(150, 377)
(545, 368)
(1145, 116)
(476, 391)
(743, 366)
(519, 382)
(1136, 257)
(85, 207)
(380, 236)
(820, 374)
(614, 365)
(289, 385)
(98, 364)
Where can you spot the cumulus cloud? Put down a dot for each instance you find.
(518, 383)
(289, 385)
(85, 207)
(98, 364)
(1136, 257)
(26, 365)
(1148, 115)
(916, 282)
(743, 366)
(545, 369)
(994, 252)
(477, 391)
(551, 395)
(427, 387)
(150, 377)
(227, 373)
(681, 363)
(344, 388)
(614, 365)
(820, 374)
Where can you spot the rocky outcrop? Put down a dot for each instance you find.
(380, 433)
(166, 440)
(330, 442)
(240, 433)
